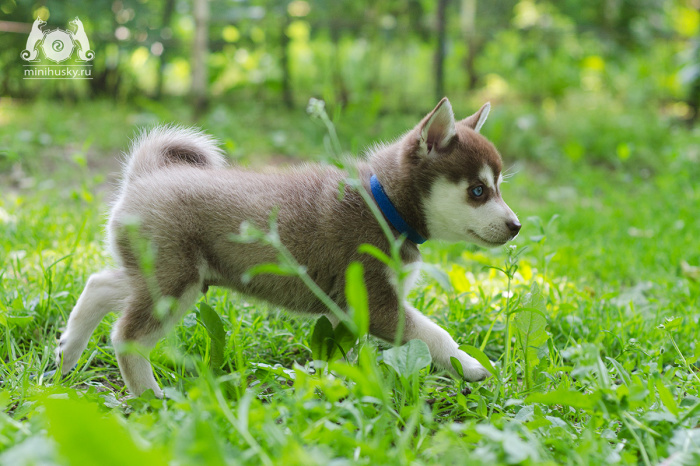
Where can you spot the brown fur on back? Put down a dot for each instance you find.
(190, 215)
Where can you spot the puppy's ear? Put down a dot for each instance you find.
(477, 120)
(438, 128)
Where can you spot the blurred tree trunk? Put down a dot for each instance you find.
(342, 94)
(440, 52)
(287, 96)
(106, 79)
(168, 8)
(694, 93)
(200, 50)
(468, 27)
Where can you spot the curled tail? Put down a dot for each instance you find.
(163, 146)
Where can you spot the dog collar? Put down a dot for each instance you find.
(391, 213)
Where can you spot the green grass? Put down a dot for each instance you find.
(602, 360)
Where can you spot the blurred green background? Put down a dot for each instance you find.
(560, 75)
(595, 111)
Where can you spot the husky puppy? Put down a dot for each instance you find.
(439, 181)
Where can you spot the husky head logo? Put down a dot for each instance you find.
(79, 36)
(36, 35)
(57, 44)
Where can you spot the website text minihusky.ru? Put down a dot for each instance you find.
(52, 72)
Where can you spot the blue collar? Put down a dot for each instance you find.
(391, 213)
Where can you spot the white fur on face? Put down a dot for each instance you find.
(486, 177)
(451, 218)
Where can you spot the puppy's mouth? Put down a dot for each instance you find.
(486, 242)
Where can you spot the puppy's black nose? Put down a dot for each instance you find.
(513, 226)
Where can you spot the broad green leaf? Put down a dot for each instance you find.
(534, 299)
(269, 268)
(624, 375)
(479, 355)
(563, 396)
(356, 295)
(374, 252)
(530, 330)
(19, 321)
(457, 366)
(215, 328)
(5, 398)
(344, 338)
(671, 323)
(367, 378)
(85, 435)
(323, 340)
(530, 334)
(517, 451)
(408, 359)
(530, 323)
(364, 383)
(666, 397)
(305, 384)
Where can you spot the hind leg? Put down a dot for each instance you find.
(105, 291)
(138, 330)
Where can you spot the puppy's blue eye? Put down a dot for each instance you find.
(478, 191)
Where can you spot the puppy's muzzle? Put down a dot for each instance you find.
(514, 227)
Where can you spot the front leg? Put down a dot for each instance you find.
(384, 318)
(441, 345)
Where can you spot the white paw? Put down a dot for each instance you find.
(70, 351)
(471, 368)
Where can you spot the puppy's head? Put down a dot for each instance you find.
(457, 174)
